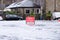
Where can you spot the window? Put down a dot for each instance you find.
(27, 11)
(37, 10)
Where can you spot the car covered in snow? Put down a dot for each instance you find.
(56, 15)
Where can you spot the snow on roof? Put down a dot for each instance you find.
(24, 3)
(12, 5)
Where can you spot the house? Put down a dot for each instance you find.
(25, 7)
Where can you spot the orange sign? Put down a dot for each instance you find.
(30, 19)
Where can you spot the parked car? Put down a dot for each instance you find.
(56, 15)
(13, 17)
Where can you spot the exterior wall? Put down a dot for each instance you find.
(52, 5)
(22, 12)
(37, 15)
(57, 5)
(49, 5)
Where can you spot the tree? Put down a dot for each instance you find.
(48, 15)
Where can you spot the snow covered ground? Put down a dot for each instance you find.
(19, 30)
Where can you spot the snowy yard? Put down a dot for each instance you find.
(19, 30)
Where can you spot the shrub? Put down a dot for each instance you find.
(10, 12)
(32, 14)
(48, 15)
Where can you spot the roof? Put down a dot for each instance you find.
(24, 3)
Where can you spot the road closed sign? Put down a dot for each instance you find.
(30, 20)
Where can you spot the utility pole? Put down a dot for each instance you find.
(1, 1)
(54, 5)
(2, 4)
(44, 9)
